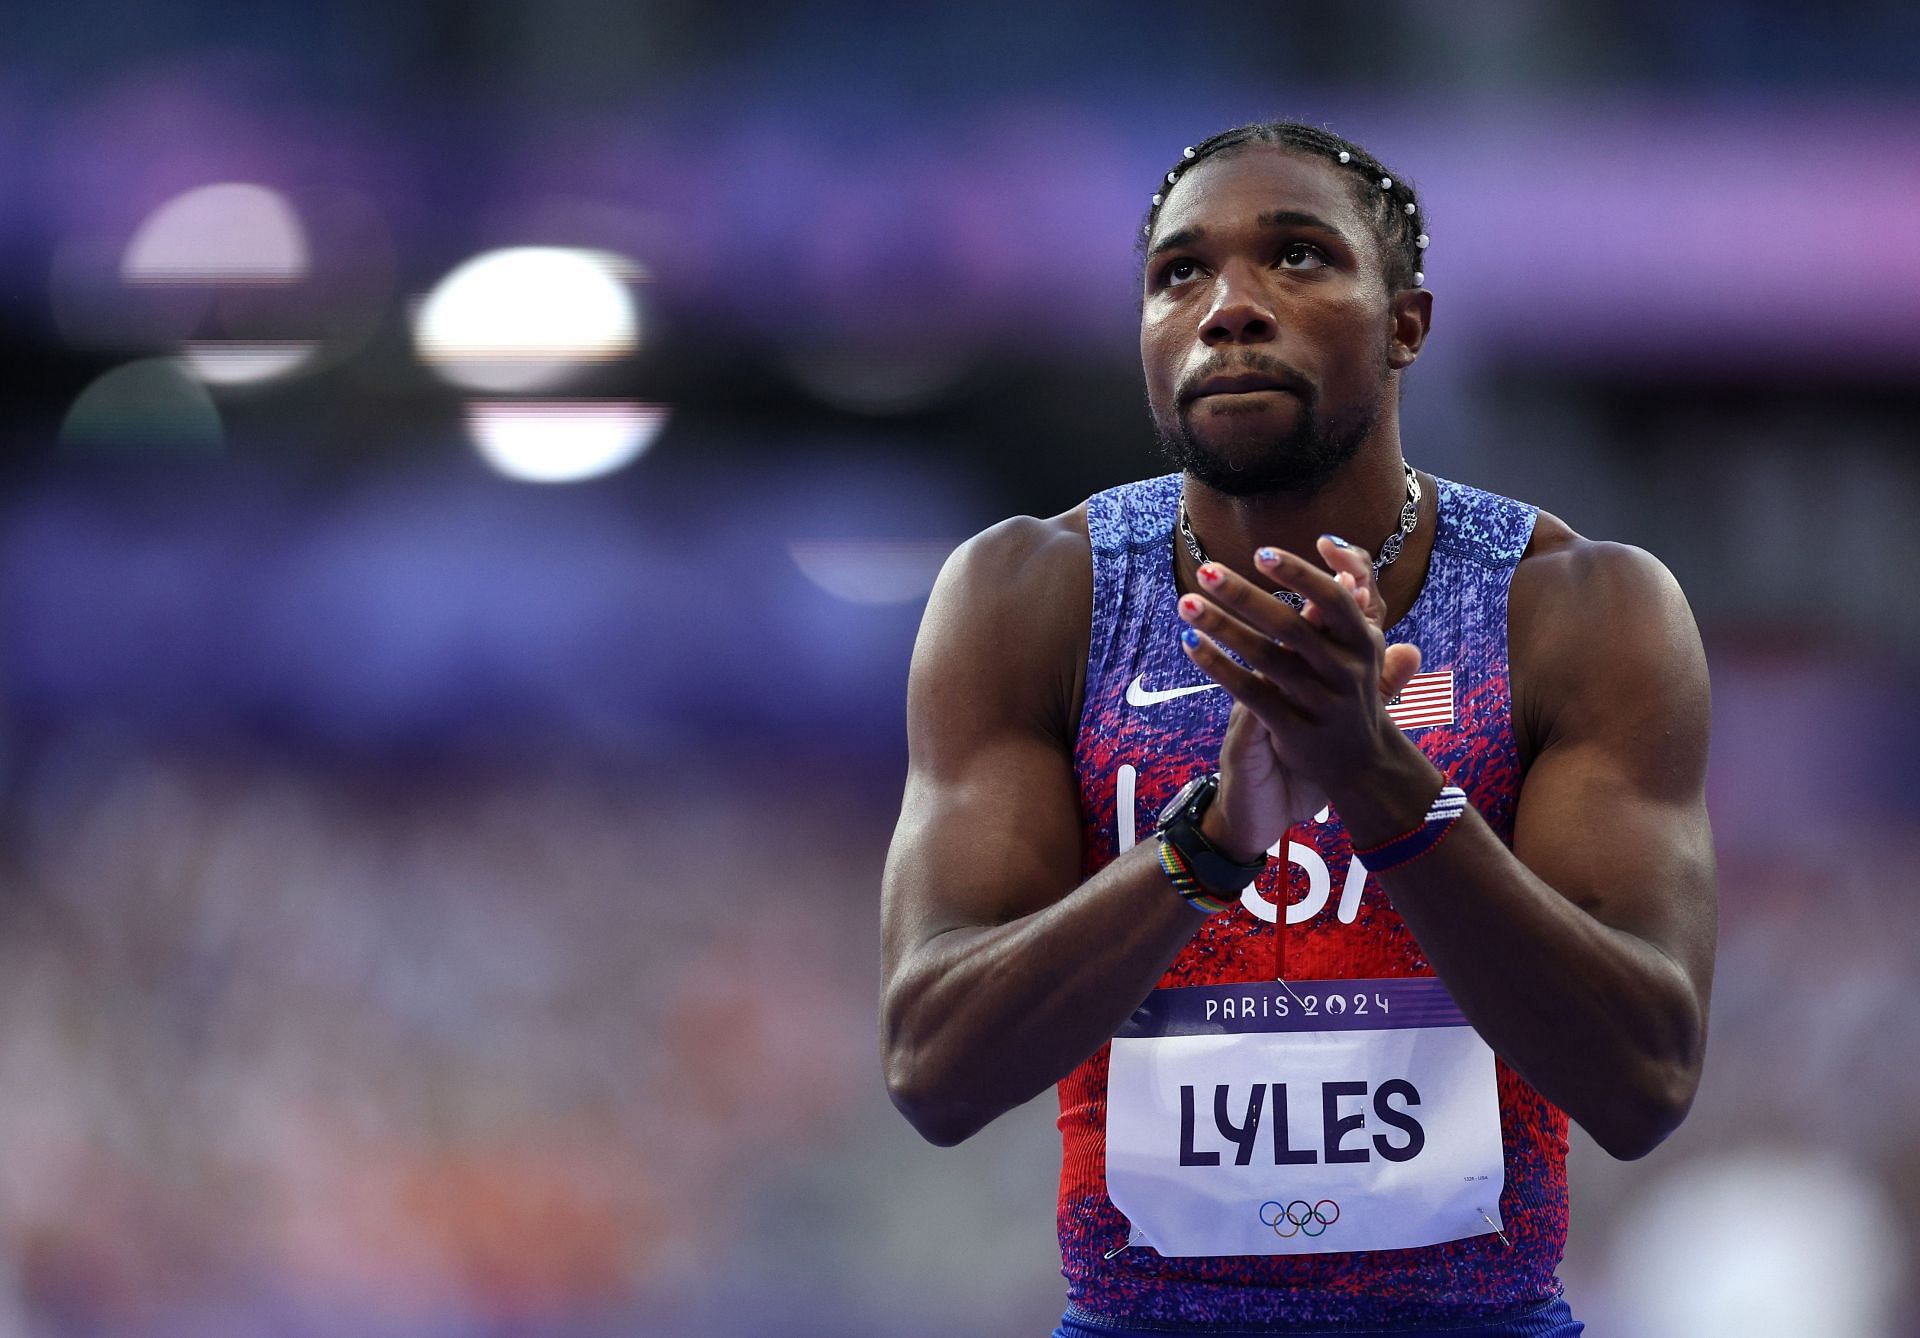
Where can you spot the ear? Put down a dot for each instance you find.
(1411, 312)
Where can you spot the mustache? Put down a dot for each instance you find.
(1227, 364)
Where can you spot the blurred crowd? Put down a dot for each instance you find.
(294, 1049)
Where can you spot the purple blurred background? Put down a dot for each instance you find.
(472, 476)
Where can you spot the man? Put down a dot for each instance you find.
(1302, 1089)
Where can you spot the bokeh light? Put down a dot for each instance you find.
(872, 571)
(147, 405)
(562, 441)
(878, 379)
(229, 233)
(244, 287)
(214, 240)
(528, 318)
(232, 362)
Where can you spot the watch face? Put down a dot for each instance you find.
(1182, 799)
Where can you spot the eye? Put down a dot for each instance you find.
(1178, 272)
(1302, 255)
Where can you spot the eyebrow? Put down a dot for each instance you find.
(1272, 219)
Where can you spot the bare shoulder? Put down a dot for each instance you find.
(1023, 557)
(1591, 623)
(1568, 589)
(1008, 622)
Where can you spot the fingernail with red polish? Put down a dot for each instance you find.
(1189, 606)
(1209, 573)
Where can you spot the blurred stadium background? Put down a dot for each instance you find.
(473, 472)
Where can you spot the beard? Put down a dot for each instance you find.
(1301, 460)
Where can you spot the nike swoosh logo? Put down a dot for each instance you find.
(1138, 695)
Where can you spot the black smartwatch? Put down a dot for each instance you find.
(1180, 827)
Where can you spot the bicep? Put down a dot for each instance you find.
(989, 824)
(1612, 813)
(988, 841)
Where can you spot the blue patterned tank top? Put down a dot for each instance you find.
(1138, 743)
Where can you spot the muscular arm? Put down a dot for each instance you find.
(1584, 956)
(998, 974)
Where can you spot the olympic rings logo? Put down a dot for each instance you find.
(1298, 1218)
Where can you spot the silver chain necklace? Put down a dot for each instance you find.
(1389, 550)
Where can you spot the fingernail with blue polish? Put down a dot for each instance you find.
(1338, 542)
(1268, 555)
(1189, 638)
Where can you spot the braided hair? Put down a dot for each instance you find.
(1385, 198)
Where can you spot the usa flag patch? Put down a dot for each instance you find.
(1426, 700)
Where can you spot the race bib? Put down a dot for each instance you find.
(1303, 1117)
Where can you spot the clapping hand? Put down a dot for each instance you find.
(1309, 692)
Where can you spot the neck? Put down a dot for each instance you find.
(1360, 504)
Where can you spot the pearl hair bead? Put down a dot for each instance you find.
(1409, 206)
(1189, 151)
(1386, 183)
(1345, 156)
(1419, 279)
(1421, 241)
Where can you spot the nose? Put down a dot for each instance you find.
(1240, 313)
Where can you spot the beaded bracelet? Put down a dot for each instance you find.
(1411, 845)
(1180, 874)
